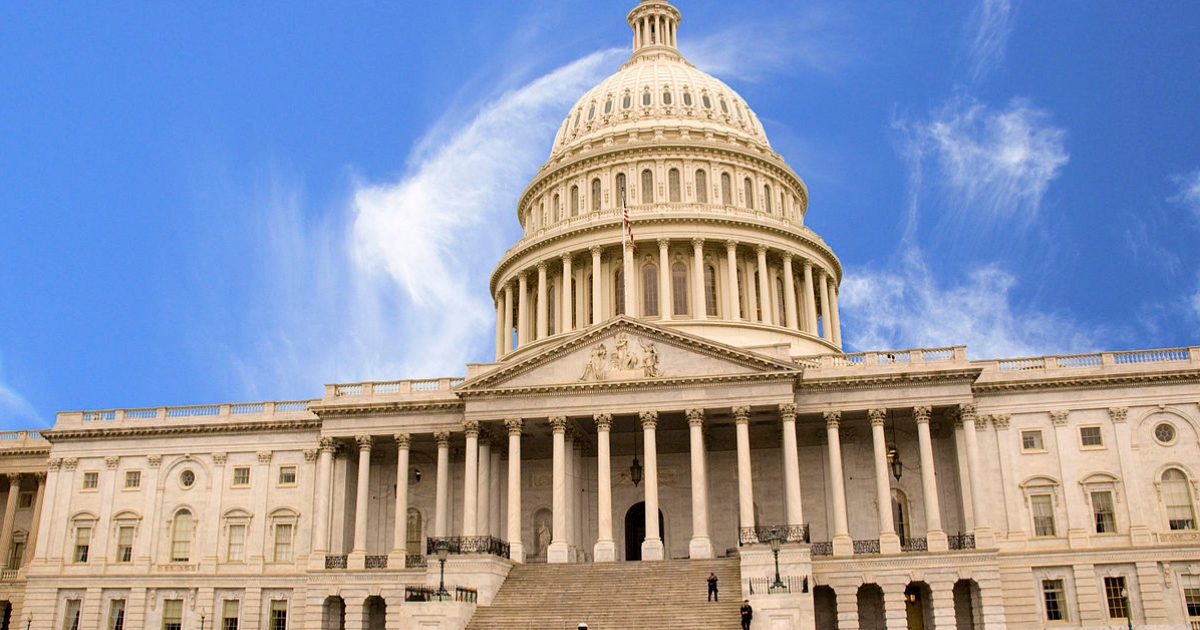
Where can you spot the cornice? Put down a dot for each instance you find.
(385, 407)
(1091, 381)
(571, 389)
(65, 435)
(888, 381)
(24, 452)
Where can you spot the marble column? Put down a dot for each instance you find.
(522, 310)
(889, 542)
(499, 326)
(320, 541)
(400, 531)
(632, 307)
(516, 548)
(791, 464)
(605, 549)
(559, 551)
(35, 522)
(810, 300)
(666, 303)
(508, 317)
(826, 322)
(699, 304)
(362, 503)
(935, 537)
(597, 286)
(571, 493)
(983, 533)
(484, 486)
(843, 545)
(495, 529)
(732, 296)
(441, 523)
(10, 513)
(833, 311)
(741, 418)
(568, 296)
(652, 547)
(764, 287)
(700, 546)
(543, 308)
(789, 293)
(471, 479)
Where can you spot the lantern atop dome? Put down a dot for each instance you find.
(655, 24)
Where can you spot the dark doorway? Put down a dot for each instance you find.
(635, 530)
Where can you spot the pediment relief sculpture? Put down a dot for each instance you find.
(623, 363)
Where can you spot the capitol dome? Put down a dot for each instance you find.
(716, 244)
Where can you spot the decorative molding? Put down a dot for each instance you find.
(1059, 417)
(326, 443)
(741, 415)
(514, 425)
(264, 457)
(282, 426)
(112, 461)
(1001, 421)
(558, 424)
(54, 463)
(833, 418)
(695, 417)
(1118, 414)
(403, 441)
(922, 413)
(787, 412)
(442, 438)
(220, 458)
(649, 419)
(311, 454)
(69, 463)
(471, 428)
(603, 421)
(877, 416)
(1097, 381)
(154, 460)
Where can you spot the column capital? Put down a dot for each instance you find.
(514, 425)
(603, 421)
(833, 418)
(697, 242)
(695, 417)
(443, 439)
(153, 460)
(649, 419)
(264, 457)
(471, 428)
(571, 433)
(567, 258)
(310, 455)
(14, 479)
(541, 266)
(365, 442)
(1001, 420)
(558, 424)
(786, 255)
(1118, 414)
(326, 443)
(663, 243)
(111, 462)
(741, 415)
(731, 244)
(70, 463)
(762, 249)
(596, 250)
(523, 276)
(808, 265)
(967, 411)
(877, 416)
(54, 463)
(403, 441)
(922, 413)
(1059, 417)
(787, 412)
(40, 476)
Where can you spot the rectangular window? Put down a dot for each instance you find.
(172, 614)
(283, 542)
(1043, 515)
(237, 543)
(15, 555)
(124, 544)
(241, 476)
(133, 478)
(278, 614)
(1090, 437)
(1102, 508)
(1191, 594)
(1056, 602)
(71, 615)
(25, 500)
(1114, 592)
(287, 475)
(116, 615)
(91, 480)
(83, 538)
(229, 615)
(1032, 440)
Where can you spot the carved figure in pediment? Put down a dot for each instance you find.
(622, 358)
(650, 360)
(594, 370)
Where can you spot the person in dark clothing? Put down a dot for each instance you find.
(712, 587)
(747, 614)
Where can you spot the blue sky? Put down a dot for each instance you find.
(242, 201)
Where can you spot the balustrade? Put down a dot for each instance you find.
(791, 584)
(824, 548)
(335, 562)
(469, 544)
(866, 547)
(909, 545)
(761, 534)
(960, 542)
(376, 562)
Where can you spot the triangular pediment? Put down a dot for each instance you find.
(625, 350)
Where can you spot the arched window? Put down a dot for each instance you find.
(666, 97)
(181, 537)
(621, 188)
(726, 189)
(710, 290)
(550, 311)
(673, 185)
(1177, 498)
(575, 201)
(647, 186)
(596, 195)
(749, 190)
(767, 199)
(701, 187)
(679, 289)
(556, 205)
(650, 290)
(619, 291)
(780, 312)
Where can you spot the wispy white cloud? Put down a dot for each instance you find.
(991, 24)
(15, 410)
(1188, 193)
(780, 47)
(907, 306)
(1194, 302)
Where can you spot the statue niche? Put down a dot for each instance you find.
(623, 363)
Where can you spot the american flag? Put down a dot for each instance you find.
(625, 220)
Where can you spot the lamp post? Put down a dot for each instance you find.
(775, 544)
(28, 620)
(1128, 608)
(635, 469)
(443, 550)
(201, 619)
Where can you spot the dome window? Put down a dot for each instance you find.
(576, 123)
(627, 102)
(724, 107)
(666, 97)
(646, 98)
(687, 99)
(706, 101)
(591, 112)
(738, 106)
(608, 105)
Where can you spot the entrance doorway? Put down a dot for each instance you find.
(635, 530)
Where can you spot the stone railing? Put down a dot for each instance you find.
(226, 411)
(909, 545)
(822, 548)
(22, 439)
(469, 544)
(1101, 359)
(866, 547)
(9, 575)
(762, 534)
(392, 388)
(903, 358)
(335, 562)
(960, 542)
(767, 585)
(415, 561)
(376, 562)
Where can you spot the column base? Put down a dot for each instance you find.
(1140, 536)
(985, 538)
(700, 549)
(889, 543)
(652, 549)
(516, 552)
(398, 559)
(605, 551)
(937, 540)
(558, 553)
(843, 545)
(357, 560)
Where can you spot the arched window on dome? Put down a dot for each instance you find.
(779, 305)
(726, 189)
(627, 101)
(556, 214)
(621, 188)
(1177, 499)
(619, 291)
(710, 290)
(596, 195)
(608, 105)
(647, 186)
(767, 199)
(673, 186)
(574, 201)
(679, 302)
(706, 101)
(666, 97)
(748, 190)
(650, 290)
(724, 107)
(647, 98)
(687, 98)
(550, 312)
(591, 112)
(181, 536)
(701, 187)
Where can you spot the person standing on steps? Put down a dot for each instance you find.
(712, 587)
(747, 614)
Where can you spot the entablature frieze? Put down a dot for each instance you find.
(1091, 381)
(284, 426)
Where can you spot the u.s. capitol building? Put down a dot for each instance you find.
(698, 378)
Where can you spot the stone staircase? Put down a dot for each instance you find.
(669, 595)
